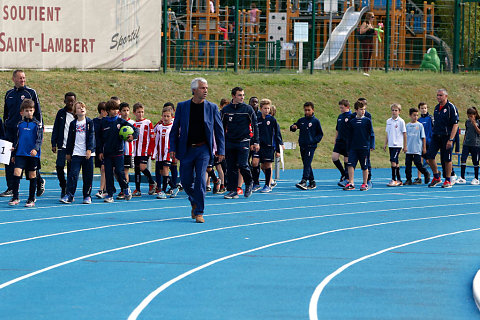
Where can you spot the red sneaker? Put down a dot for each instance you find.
(239, 191)
(447, 184)
(434, 182)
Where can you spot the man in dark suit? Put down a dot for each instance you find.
(196, 128)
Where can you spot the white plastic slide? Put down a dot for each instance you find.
(338, 39)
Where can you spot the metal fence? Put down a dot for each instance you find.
(262, 36)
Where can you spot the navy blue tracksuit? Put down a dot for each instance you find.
(311, 134)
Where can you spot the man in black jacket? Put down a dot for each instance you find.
(240, 125)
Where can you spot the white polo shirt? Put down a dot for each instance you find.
(395, 129)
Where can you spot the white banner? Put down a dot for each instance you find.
(83, 34)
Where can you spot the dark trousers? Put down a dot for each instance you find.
(417, 160)
(87, 175)
(237, 158)
(193, 167)
(114, 163)
(10, 134)
(307, 154)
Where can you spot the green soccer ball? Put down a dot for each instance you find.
(125, 131)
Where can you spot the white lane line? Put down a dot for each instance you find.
(237, 212)
(313, 307)
(31, 274)
(145, 302)
(226, 203)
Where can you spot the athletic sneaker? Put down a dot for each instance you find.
(30, 203)
(63, 192)
(349, 187)
(273, 184)
(248, 190)
(216, 186)
(231, 195)
(87, 200)
(13, 202)
(256, 187)
(151, 188)
(342, 183)
(302, 185)
(434, 182)
(447, 184)
(369, 184)
(461, 181)
(364, 187)
(392, 183)
(66, 199)
(312, 185)
(417, 181)
(222, 189)
(266, 189)
(427, 178)
(101, 194)
(128, 194)
(209, 188)
(453, 179)
(179, 186)
(108, 199)
(174, 192)
(40, 188)
(408, 182)
(136, 193)
(475, 182)
(6, 193)
(161, 195)
(239, 191)
(121, 196)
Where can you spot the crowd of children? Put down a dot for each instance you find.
(79, 140)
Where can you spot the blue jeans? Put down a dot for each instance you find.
(307, 154)
(87, 175)
(111, 162)
(236, 155)
(192, 174)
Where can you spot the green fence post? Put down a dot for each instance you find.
(164, 39)
(387, 36)
(235, 63)
(312, 42)
(456, 36)
(278, 47)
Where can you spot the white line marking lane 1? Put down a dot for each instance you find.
(313, 306)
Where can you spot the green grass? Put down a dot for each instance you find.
(287, 91)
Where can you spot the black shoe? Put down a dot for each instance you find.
(302, 185)
(248, 190)
(6, 193)
(312, 185)
(417, 181)
(41, 187)
(231, 195)
(216, 187)
(427, 177)
(63, 193)
(408, 182)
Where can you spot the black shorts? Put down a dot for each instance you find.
(27, 163)
(340, 147)
(140, 160)
(267, 154)
(440, 143)
(128, 162)
(98, 162)
(163, 164)
(255, 154)
(359, 155)
(394, 153)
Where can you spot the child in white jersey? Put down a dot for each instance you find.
(396, 139)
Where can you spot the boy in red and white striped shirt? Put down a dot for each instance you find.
(161, 154)
(143, 149)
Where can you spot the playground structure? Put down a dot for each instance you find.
(202, 36)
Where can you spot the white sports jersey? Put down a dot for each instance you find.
(129, 145)
(162, 142)
(144, 145)
(395, 129)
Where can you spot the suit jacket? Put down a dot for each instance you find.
(213, 129)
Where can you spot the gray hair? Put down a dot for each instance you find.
(196, 81)
(443, 90)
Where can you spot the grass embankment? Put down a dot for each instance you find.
(288, 93)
